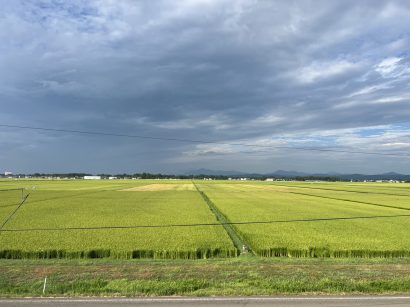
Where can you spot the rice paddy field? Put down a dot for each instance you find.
(318, 220)
(202, 219)
(91, 219)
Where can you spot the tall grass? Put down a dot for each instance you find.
(317, 252)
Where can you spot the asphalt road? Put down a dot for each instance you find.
(226, 302)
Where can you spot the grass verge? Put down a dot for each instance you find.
(242, 276)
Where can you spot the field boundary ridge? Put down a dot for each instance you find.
(236, 238)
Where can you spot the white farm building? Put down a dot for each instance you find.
(92, 177)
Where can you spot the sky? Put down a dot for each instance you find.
(311, 74)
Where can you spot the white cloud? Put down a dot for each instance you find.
(371, 101)
(212, 122)
(397, 145)
(266, 120)
(387, 66)
(319, 71)
(391, 99)
(370, 89)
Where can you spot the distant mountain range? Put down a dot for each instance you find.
(294, 174)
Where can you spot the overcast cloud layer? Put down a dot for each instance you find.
(332, 74)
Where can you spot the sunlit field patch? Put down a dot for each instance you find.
(163, 187)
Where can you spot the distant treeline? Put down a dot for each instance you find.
(120, 176)
(145, 175)
(127, 176)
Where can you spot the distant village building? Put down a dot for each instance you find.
(112, 178)
(269, 179)
(6, 173)
(92, 177)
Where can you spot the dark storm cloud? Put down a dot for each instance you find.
(314, 72)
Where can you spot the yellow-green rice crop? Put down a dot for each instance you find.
(9, 199)
(300, 228)
(78, 218)
(61, 209)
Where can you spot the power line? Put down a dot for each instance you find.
(340, 190)
(204, 141)
(206, 224)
